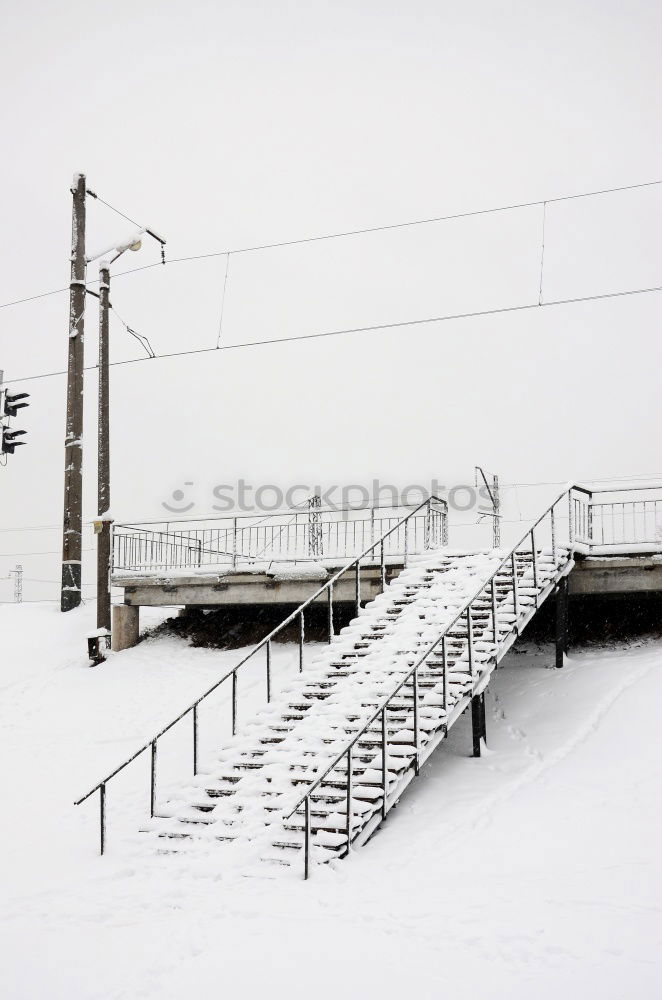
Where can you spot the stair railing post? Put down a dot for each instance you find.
(102, 818)
(427, 525)
(357, 587)
(234, 702)
(534, 561)
(195, 739)
(416, 733)
(302, 636)
(553, 527)
(382, 567)
(406, 553)
(330, 613)
(470, 641)
(349, 798)
(384, 764)
(269, 670)
(234, 543)
(444, 660)
(571, 526)
(513, 564)
(444, 526)
(495, 621)
(152, 790)
(306, 846)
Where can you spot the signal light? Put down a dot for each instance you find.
(12, 404)
(9, 442)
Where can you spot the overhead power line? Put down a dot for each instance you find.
(349, 232)
(360, 329)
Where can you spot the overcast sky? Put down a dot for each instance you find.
(230, 124)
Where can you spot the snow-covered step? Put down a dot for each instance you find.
(259, 776)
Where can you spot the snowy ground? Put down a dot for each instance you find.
(533, 872)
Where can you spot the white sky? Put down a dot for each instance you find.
(232, 124)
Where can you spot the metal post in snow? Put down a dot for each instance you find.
(330, 612)
(306, 847)
(152, 790)
(384, 764)
(102, 819)
(349, 798)
(476, 724)
(495, 622)
(195, 739)
(416, 732)
(561, 620)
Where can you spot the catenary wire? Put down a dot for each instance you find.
(350, 232)
(361, 329)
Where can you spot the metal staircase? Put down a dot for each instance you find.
(317, 770)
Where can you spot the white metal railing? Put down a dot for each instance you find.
(630, 515)
(293, 536)
(627, 516)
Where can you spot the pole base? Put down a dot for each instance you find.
(71, 586)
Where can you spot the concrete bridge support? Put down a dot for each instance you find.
(126, 626)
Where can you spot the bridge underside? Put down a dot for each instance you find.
(602, 575)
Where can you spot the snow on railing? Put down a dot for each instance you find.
(434, 512)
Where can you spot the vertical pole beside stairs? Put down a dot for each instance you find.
(476, 723)
(562, 618)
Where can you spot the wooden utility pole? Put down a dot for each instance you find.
(103, 483)
(73, 445)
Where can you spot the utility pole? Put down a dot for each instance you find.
(103, 527)
(73, 445)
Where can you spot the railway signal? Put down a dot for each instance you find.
(10, 404)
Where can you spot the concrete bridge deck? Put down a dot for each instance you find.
(592, 575)
(616, 550)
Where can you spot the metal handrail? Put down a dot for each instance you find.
(132, 546)
(463, 611)
(260, 518)
(297, 613)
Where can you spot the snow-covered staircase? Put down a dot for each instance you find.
(410, 637)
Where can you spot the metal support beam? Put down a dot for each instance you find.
(562, 620)
(478, 728)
